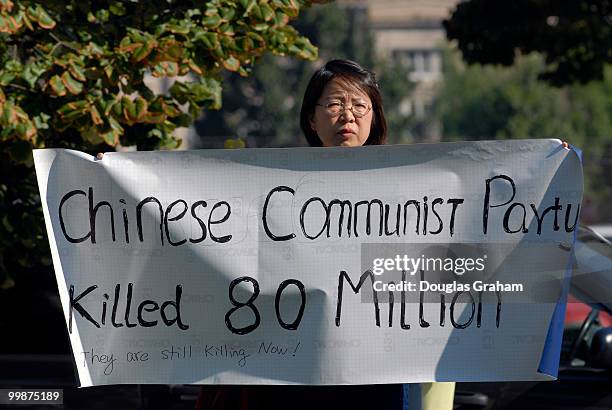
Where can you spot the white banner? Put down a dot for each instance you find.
(387, 264)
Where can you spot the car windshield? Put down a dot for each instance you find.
(592, 271)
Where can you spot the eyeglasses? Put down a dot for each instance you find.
(336, 107)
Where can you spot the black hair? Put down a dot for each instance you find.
(364, 80)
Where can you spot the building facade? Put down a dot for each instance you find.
(410, 33)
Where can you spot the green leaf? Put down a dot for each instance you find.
(231, 64)
(110, 136)
(93, 49)
(117, 8)
(76, 71)
(291, 8)
(141, 106)
(96, 118)
(212, 21)
(266, 11)
(244, 72)
(170, 143)
(183, 120)
(7, 117)
(173, 50)
(26, 130)
(177, 28)
(155, 133)
(93, 136)
(227, 29)
(165, 68)
(209, 39)
(256, 12)
(13, 65)
(31, 73)
(73, 110)
(154, 118)
(138, 36)
(57, 86)
(245, 3)
(171, 111)
(116, 109)
(44, 19)
(10, 24)
(219, 53)
(115, 125)
(129, 109)
(73, 86)
(204, 90)
(143, 51)
(228, 43)
(193, 12)
(32, 13)
(6, 78)
(261, 27)
(84, 35)
(41, 121)
(257, 39)
(211, 10)
(228, 13)
(103, 15)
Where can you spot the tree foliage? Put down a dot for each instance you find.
(72, 75)
(264, 108)
(484, 102)
(75, 69)
(574, 36)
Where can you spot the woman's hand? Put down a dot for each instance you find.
(99, 155)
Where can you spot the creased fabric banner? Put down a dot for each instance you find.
(386, 264)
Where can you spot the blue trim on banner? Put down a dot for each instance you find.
(549, 362)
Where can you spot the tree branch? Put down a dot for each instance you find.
(61, 43)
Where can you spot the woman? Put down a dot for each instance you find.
(342, 106)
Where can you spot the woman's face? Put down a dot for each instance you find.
(343, 128)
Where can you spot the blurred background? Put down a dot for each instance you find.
(449, 70)
(430, 94)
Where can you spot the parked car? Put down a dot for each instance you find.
(604, 230)
(585, 372)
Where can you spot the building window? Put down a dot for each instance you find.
(422, 64)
